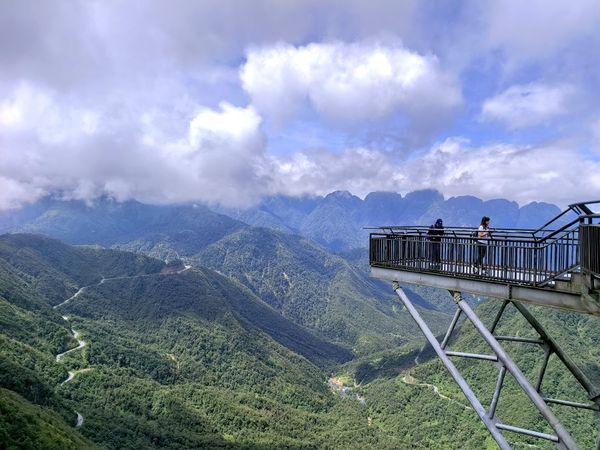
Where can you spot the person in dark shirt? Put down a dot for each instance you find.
(435, 233)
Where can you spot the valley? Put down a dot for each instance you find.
(248, 337)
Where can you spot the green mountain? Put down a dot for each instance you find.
(328, 296)
(193, 358)
(30, 426)
(316, 289)
(161, 357)
(59, 269)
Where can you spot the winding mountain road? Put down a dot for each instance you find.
(81, 344)
(103, 280)
(79, 420)
(410, 380)
(72, 374)
(69, 378)
(419, 354)
(80, 291)
(76, 334)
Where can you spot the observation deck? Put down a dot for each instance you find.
(550, 267)
(557, 265)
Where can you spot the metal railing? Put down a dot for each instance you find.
(519, 256)
(505, 256)
(590, 248)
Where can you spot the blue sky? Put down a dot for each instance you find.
(227, 102)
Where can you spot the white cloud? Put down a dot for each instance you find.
(348, 82)
(537, 29)
(554, 172)
(218, 155)
(50, 147)
(16, 193)
(320, 172)
(528, 105)
(230, 128)
(144, 99)
(30, 107)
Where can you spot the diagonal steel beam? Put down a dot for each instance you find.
(464, 386)
(565, 439)
(586, 383)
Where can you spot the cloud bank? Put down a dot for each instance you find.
(193, 101)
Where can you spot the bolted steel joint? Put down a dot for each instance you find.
(456, 295)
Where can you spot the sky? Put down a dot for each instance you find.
(226, 102)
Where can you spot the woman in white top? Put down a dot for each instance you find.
(483, 234)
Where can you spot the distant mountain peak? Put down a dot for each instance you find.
(346, 195)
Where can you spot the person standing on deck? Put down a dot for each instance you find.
(436, 231)
(483, 235)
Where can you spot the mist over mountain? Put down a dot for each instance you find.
(337, 220)
(107, 222)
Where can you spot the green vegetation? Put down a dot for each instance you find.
(57, 270)
(24, 425)
(175, 361)
(197, 360)
(317, 289)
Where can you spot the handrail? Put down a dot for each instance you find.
(510, 256)
(495, 231)
(554, 219)
(520, 256)
(583, 207)
(580, 209)
(515, 261)
(563, 228)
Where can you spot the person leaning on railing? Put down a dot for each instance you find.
(483, 236)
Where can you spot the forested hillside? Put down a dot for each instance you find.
(233, 346)
(166, 359)
(317, 289)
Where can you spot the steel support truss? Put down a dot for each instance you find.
(561, 437)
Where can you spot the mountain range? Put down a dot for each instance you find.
(336, 221)
(182, 326)
(171, 357)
